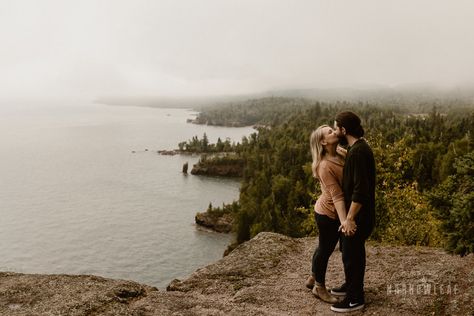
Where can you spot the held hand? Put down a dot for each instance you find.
(348, 227)
(341, 229)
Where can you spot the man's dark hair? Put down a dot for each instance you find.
(351, 122)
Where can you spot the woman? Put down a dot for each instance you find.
(330, 210)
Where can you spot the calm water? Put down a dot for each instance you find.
(74, 198)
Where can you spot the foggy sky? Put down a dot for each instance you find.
(212, 47)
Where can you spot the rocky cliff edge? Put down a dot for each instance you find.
(264, 276)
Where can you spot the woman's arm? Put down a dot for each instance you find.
(341, 210)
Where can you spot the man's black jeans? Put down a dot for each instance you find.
(353, 257)
(328, 238)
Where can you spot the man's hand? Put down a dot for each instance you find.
(348, 227)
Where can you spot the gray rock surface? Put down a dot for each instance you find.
(264, 276)
(221, 224)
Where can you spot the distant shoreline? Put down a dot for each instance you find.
(169, 106)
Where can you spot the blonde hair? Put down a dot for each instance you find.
(317, 150)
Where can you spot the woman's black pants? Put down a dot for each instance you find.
(328, 238)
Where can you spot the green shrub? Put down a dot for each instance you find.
(453, 201)
(409, 219)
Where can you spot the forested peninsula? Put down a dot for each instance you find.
(424, 153)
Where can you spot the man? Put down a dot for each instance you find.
(358, 185)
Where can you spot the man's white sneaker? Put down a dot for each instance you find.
(347, 306)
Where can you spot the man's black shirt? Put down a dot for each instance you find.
(358, 184)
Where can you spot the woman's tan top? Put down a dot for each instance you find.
(330, 177)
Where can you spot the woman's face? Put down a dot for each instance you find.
(330, 136)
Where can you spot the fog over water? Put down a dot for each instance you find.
(56, 48)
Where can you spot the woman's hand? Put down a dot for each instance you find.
(341, 151)
(348, 227)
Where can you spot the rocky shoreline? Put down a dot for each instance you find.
(221, 165)
(230, 170)
(264, 276)
(220, 223)
(174, 152)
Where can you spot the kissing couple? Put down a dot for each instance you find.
(345, 210)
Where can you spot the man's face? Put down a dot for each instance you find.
(339, 131)
(341, 134)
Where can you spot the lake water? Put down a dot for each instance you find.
(74, 198)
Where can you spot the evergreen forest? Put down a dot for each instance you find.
(424, 157)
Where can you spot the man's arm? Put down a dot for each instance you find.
(360, 174)
(359, 194)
